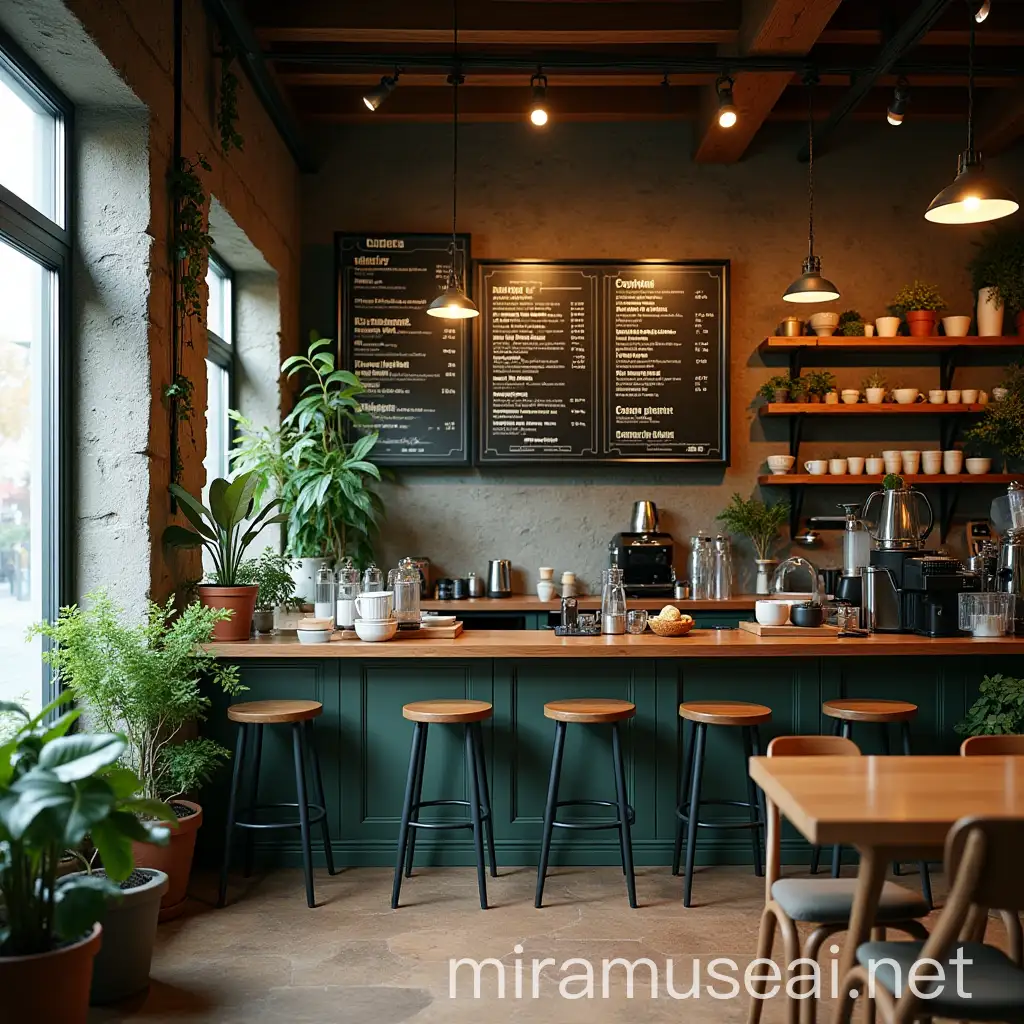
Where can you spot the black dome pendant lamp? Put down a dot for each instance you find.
(453, 303)
(810, 286)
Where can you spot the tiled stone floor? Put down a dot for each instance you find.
(267, 959)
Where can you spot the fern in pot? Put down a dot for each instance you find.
(144, 679)
(760, 523)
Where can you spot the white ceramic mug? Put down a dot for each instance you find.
(893, 461)
(952, 461)
(850, 396)
(969, 396)
(931, 462)
(911, 461)
(953, 397)
(873, 465)
(907, 396)
(937, 397)
(837, 467)
(855, 464)
(887, 326)
(375, 604)
(817, 467)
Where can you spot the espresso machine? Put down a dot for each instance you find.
(1008, 518)
(644, 554)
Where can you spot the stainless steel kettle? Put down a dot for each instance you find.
(898, 527)
(645, 517)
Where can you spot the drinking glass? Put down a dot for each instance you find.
(636, 620)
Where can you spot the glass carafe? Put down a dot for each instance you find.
(613, 602)
(721, 588)
(404, 583)
(348, 591)
(325, 595)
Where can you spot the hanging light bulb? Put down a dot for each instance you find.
(983, 11)
(453, 303)
(900, 99)
(538, 104)
(727, 115)
(810, 286)
(973, 197)
(379, 93)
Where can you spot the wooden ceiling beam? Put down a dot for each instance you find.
(770, 27)
(1000, 120)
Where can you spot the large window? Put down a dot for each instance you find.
(34, 257)
(220, 363)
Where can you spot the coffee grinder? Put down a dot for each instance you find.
(856, 556)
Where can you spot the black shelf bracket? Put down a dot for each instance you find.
(795, 362)
(796, 427)
(949, 428)
(796, 504)
(947, 366)
(949, 498)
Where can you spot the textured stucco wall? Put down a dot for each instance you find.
(631, 190)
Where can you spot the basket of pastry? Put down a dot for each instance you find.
(670, 622)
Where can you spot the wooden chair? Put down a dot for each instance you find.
(998, 746)
(824, 902)
(983, 860)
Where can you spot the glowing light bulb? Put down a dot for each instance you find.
(539, 116)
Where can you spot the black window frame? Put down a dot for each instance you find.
(49, 244)
(220, 352)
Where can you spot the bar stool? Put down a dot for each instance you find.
(701, 714)
(469, 713)
(597, 711)
(882, 713)
(299, 714)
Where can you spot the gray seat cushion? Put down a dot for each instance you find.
(830, 900)
(994, 983)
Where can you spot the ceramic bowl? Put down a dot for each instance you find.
(850, 396)
(314, 636)
(771, 613)
(780, 464)
(978, 466)
(824, 324)
(956, 326)
(809, 615)
(375, 630)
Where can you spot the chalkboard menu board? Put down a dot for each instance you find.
(603, 361)
(416, 368)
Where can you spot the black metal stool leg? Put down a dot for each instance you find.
(417, 796)
(700, 734)
(847, 733)
(625, 836)
(926, 878)
(884, 731)
(485, 795)
(549, 810)
(752, 799)
(684, 791)
(474, 811)
(418, 731)
(298, 748)
(318, 793)
(257, 753)
(229, 830)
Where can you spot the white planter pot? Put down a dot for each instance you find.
(875, 396)
(990, 316)
(305, 577)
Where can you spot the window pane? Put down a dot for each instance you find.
(218, 312)
(28, 153)
(26, 554)
(216, 461)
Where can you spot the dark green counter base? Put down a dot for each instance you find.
(364, 744)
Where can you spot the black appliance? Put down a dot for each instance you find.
(927, 588)
(646, 563)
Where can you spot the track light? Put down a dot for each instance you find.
(898, 107)
(538, 105)
(727, 116)
(379, 93)
(984, 8)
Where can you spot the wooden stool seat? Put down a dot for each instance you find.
(450, 712)
(725, 712)
(863, 710)
(270, 712)
(592, 711)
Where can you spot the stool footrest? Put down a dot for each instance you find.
(315, 811)
(682, 813)
(595, 826)
(440, 826)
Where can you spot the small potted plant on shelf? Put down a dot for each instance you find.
(818, 383)
(273, 574)
(761, 524)
(55, 789)
(776, 389)
(874, 387)
(851, 324)
(998, 711)
(1000, 431)
(919, 304)
(144, 679)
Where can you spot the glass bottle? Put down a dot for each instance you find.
(722, 569)
(348, 591)
(373, 578)
(325, 598)
(613, 602)
(404, 583)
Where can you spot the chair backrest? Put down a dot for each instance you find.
(994, 745)
(989, 851)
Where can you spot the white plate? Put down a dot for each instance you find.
(437, 620)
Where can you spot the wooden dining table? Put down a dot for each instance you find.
(888, 808)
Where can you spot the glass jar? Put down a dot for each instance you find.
(721, 589)
(373, 578)
(348, 591)
(325, 594)
(404, 583)
(613, 602)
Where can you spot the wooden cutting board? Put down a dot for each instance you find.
(424, 633)
(758, 630)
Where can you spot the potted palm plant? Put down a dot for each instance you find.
(919, 304)
(54, 790)
(225, 530)
(145, 680)
(761, 524)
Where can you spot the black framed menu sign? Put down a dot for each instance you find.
(416, 368)
(603, 361)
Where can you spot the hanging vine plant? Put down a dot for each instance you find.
(227, 109)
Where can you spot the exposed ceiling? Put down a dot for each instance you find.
(609, 60)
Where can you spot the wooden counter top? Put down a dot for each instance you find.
(699, 643)
(532, 603)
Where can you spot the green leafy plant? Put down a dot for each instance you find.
(54, 790)
(875, 379)
(145, 680)
(998, 711)
(780, 382)
(227, 527)
(756, 520)
(999, 264)
(272, 573)
(1000, 430)
(227, 108)
(916, 296)
(892, 482)
(819, 382)
(851, 323)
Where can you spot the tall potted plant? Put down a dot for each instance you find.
(225, 530)
(919, 304)
(54, 790)
(761, 524)
(997, 273)
(145, 679)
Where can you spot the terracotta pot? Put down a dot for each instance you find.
(1019, 320)
(50, 988)
(241, 601)
(921, 322)
(174, 860)
(781, 396)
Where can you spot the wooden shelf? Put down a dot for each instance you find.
(863, 409)
(847, 480)
(897, 344)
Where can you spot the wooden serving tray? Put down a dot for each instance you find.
(758, 630)
(423, 633)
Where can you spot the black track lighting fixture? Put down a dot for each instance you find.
(538, 102)
(900, 99)
(727, 115)
(379, 93)
(981, 10)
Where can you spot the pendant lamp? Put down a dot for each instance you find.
(810, 286)
(453, 303)
(974, 197)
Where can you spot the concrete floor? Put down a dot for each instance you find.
(266, 958)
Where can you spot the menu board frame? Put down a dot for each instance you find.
(603, 345)
(460, 457)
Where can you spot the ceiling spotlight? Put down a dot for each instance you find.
(727, 116)
(379, 93)
(900, 99)
(983, 11)
(538, 104)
